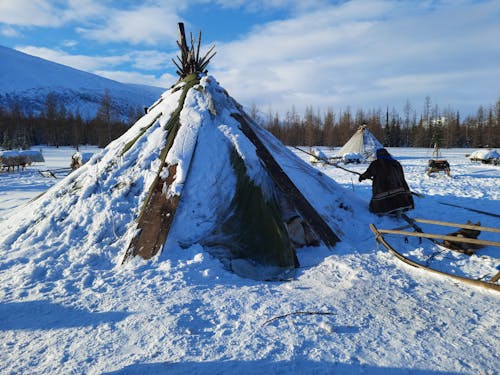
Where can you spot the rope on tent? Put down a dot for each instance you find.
(297, 313)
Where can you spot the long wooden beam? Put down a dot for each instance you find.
(441, 237)
(457, 225)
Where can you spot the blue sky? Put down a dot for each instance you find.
(281, 54)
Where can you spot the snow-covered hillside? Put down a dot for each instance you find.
(28, 79)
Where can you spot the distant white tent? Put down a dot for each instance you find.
(34, 156)
(363, 143)
(13, 159)
(484, 155)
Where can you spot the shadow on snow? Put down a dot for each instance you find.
(299, 365)
(46, 315)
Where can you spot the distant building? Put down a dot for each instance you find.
(438, 121)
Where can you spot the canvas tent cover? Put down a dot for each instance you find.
(363, 142)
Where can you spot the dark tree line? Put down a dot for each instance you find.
(56, 126)
(393, 129)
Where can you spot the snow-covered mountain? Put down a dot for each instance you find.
(28, 79)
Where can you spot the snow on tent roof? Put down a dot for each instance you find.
(35, 156)
(362, 142)
(317, 155)
(195, 170)
(484, 154)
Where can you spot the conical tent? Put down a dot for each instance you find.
(195, 170)
(363, 142)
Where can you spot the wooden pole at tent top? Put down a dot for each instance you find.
(190, 61)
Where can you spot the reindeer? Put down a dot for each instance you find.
(15, 161)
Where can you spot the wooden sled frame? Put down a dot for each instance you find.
(412, 223)
(436, 166)
(444, 237)
(379, 237)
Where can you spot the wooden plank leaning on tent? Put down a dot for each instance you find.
(285, 184)
(159, 209)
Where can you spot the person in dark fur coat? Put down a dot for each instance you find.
(390, 192)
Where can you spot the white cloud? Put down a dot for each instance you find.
(151, 60)
(50, 13)
(259, 5)
(142, 60)
(70, 43)
(30, 13)
(166, 80)
(102, 65)
(9, 32)
(82, 10)
(82, 62)
(147, 25)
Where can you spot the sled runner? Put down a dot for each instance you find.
(379, 236)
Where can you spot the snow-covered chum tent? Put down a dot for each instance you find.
(361, 147)
(195, 170)
(484, 155)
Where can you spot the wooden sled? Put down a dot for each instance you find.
(379, 236)
(436, 166)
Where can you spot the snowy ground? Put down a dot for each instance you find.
(183, 313)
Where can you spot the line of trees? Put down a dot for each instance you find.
(393, 129)
(56, 126)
